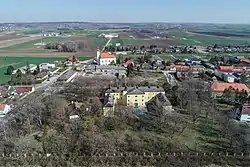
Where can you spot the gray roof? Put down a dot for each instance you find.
(66, 75)
(135, 90)
(163, 99)
(101, 67)
(109, 101)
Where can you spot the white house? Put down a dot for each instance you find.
(47, 66)
(4, 109)
(107, 58)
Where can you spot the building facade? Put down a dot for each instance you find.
(4, 109)
(107, 59)
(108, 69)
(134, 96)
(245, 114)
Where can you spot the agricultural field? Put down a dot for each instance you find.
(190, 38)
(21, 61)
(30, 45)
(236, 31)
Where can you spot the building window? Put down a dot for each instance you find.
(135, 100)
(135, 96)
(142, 100)
(128, 96)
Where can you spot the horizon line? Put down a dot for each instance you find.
(104, 22)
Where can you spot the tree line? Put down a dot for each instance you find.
(71, 46)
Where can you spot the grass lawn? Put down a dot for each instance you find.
(204, 136)
(18, 62)
(99, 42)
(126, 41)
(32, 32)
(168, 56)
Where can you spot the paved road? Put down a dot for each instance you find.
(107, 44)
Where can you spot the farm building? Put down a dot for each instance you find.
(32, 68)
(21, 90)
(111, 35)
(47, 66)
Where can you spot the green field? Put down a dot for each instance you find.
(18, 62)
(126, 41)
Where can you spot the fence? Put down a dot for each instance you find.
(132, 154)
(124, 159)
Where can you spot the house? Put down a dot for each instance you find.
(107, 58)
(67, 76)
(72, 59)
(231, 69)
(109, 106)
(4, 91)
(160, 103)
(179, 68)
(193, 61)
(21, 90)
(134, 96)
(107, 69)
(224, 76)
(246, 61)
(208, 65)
(218, 88)
(32, 68)
(47, 66)
(4, 109)
(125, 64)
(245, 113)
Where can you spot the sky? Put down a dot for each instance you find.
(201, 11)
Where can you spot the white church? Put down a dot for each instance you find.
(105, 58)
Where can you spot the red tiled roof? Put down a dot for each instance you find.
(72, 59)
(231, 69)
(2, 107)
(105, 55)
(245, 61)
(181, 68)
(129, 62)
(220, 87)
(23, 89)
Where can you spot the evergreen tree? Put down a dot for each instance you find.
(10, 70)
(27, 68)
(37, 69)
(118, 61)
